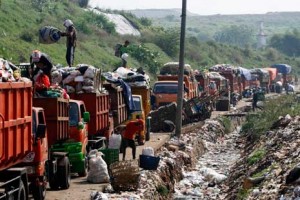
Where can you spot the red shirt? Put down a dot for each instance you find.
(132, 128)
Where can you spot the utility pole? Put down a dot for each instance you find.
(180, 72)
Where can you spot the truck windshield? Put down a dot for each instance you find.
(73, 114)
(166, 88)
(137, 104)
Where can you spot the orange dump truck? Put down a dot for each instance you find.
(66, 122)
(23, 150)
(101, 120)
(165, 89)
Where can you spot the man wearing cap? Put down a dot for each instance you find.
(71, 41)
(42, 62)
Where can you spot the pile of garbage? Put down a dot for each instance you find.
(270, 169)
(183, 152)
(133, 77)
(10, 73)
(80, 79)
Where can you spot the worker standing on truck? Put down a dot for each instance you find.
(40, 61)
(71, 41)
(128, 137)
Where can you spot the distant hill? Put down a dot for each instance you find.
(205, 26)
(159, 13)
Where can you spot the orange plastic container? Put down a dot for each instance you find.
(98, 106)
(15, 122)
(57, 118)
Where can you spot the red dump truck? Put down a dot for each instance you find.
(23, 144)
(67, 139)
(102, 122)
(165, 89)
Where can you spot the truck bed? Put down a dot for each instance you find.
(57, 118)
(15, 122)
(98, 106)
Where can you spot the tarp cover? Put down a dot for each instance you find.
(282, 68)
(246, 73)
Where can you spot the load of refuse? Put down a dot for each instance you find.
(80, 79)
(10, 73)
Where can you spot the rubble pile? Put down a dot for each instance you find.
(178, 158)
(271, 168)
(206, 180)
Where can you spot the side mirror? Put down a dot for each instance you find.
(86, 117)
(41, 131)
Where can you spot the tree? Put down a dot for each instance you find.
(288, 43)
(235, 35)
(168, 41)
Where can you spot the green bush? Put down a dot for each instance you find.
(256, 156)
(162, 190)
(226, 123)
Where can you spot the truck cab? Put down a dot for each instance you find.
(165, 92)
(78, 124)
(78, 129)
(35, 161)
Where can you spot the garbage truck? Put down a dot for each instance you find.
(23, 144)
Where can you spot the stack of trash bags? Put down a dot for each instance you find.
(134, 77)
(80, 79)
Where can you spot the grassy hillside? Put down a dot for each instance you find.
(21, 20)
(204, 27)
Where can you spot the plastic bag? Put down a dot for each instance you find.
(148, 151)
(98, 172)
(115, 141)
(49, 35)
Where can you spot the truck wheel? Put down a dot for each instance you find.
(84, 173)
(39, 192)
(53, 182)
(64, 173)
(22, 192)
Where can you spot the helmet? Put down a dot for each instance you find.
(36, 56)
(124, 56)
(68, 23)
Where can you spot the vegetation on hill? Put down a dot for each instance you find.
(21, 20)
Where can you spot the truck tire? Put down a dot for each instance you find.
(22, 192)
(39, 192)
(54, 183)
(63, 172)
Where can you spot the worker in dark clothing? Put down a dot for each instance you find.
(255, 100)
(71, 35)
(123, 48)
(40, 61)
(128, 137)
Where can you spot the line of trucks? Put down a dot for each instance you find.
(44, 140)
(220, 83)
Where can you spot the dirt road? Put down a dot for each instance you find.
(80, 189)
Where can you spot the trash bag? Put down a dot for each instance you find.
(114, 141)
(98, 172)
(49, 35)
(168, 126)
(148, 151)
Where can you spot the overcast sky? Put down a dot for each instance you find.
(205, 7)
